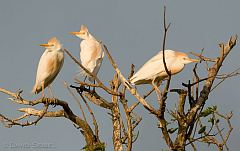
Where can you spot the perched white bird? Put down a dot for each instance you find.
(49, 65)
(154, 71)
(91, 54)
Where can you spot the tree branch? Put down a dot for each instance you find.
(100, 84)
(224, 51)
(91, 140)
(127, 84)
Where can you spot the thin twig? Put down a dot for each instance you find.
(233, 73)
(76, 99)
(127, 84)
(93, 117)
(164, 40)
(162, 100)
(12, 122)
(203, 58)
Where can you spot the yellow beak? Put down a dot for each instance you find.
(45, 45)
(194, 60)
(74, 33)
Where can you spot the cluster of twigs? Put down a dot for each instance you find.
(121, 134)
(66, 112)
(210, 136)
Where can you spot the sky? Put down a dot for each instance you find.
(133, 32)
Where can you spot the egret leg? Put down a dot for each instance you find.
(51, 94)
(43, 94)
(50, 91)
(157, 88)
(85, 80)
(94, 83)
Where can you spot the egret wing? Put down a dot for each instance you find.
(49, 66)
(148, 71)
(153, 67)
(91, 55)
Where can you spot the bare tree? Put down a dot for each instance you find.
(189, 120)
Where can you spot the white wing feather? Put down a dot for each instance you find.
(43, 74)
(152, 68)
(91, 56)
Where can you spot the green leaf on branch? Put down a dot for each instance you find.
(208, 111)
(211, 120)
(202, 130)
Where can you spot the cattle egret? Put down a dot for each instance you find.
(153, 71)
(91, 54)
(49, 65)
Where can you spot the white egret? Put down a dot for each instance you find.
(49, 65)
(91, 54)
(153, 71)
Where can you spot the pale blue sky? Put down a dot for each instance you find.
(133, 31)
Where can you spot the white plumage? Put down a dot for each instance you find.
(154, 68)
(91, 54)
(49, 65)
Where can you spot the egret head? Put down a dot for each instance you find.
(184, 58)
(83, 33)
(53, 44)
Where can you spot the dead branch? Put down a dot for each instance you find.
(93, 97)
(91, 140)
(200, 56)
(92, 115)
(162, 100)
(76, 99)
(127, 84)
(166, 27)
(226, 76)
(115, 83)
(11, 122)
(131, 123)
(227, 118)
(100, 84)
(224, 51)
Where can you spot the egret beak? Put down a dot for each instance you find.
(45, 45)
(74, 33)
(194, 60)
